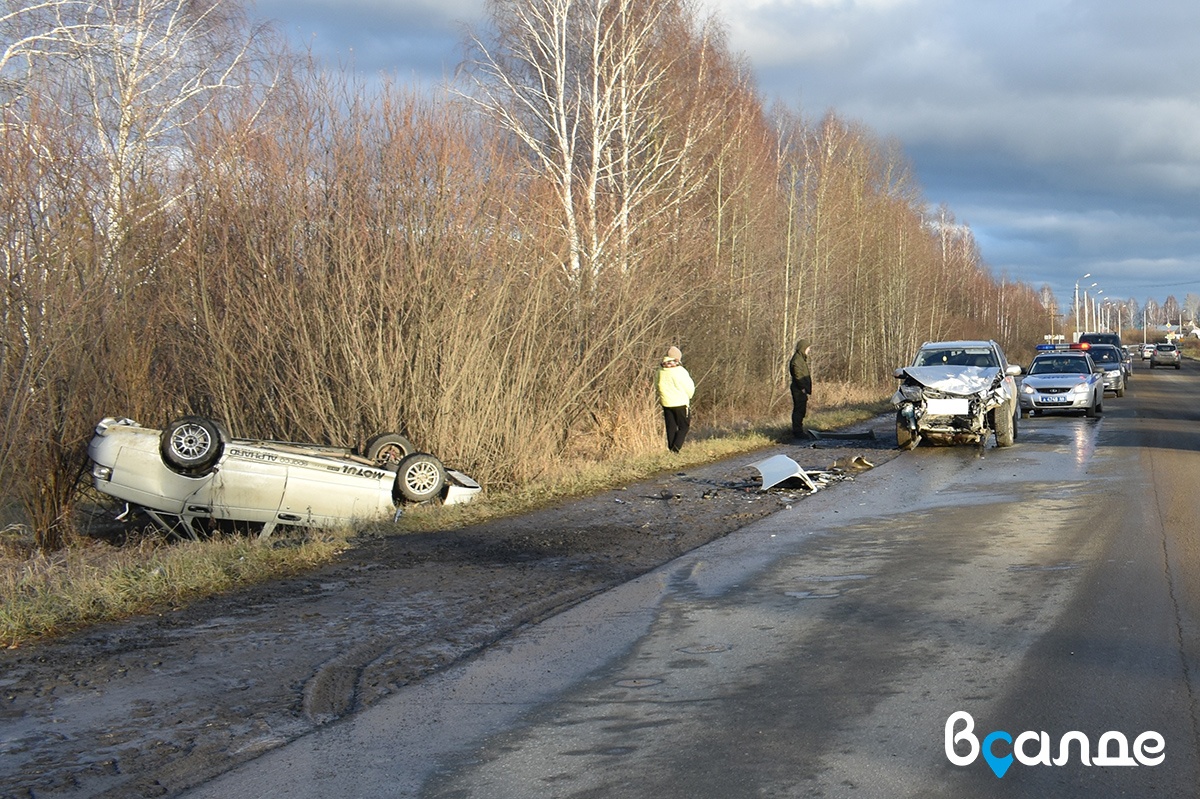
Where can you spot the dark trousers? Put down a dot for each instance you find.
(677, 422)
(799, 408)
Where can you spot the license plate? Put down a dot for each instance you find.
(947, 407)
(1056, 400)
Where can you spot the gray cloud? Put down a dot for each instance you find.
(1063, 131)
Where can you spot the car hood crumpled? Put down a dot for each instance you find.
(960, 380)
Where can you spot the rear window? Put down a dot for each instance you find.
(1101, 338)
(1166, 347)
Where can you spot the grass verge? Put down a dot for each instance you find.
(92, 582)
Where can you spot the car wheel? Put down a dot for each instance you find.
(1092, 409)
(1120, 392)
(191, 445)
(420, 477)
(386, 450)
(905, 439)
(1178, 365)
(1006, 428)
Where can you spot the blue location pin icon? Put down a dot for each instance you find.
(999, 764)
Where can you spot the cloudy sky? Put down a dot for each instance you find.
(1066, 133)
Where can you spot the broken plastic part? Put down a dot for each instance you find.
(777, 468)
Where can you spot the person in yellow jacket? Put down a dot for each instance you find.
(675, 390)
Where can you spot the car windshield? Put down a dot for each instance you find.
(1061, 365)
(1105, 355)
(957, 356)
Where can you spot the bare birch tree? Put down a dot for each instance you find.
(100, 97)
(596, 98)
(135, 76)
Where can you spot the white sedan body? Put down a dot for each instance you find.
(262, 482)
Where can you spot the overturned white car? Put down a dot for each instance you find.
(192, 469)
(957, 392)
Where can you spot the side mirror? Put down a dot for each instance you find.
(899, 373)
(1014, 370)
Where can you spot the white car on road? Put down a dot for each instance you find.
(957, 391)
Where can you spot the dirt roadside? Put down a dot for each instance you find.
(156, 705)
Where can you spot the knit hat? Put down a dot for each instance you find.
(674, 354)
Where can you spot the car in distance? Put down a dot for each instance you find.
(1147, 351)
(1113, 361)
(1101, 338)
(1126, 362)
(1062, 380)
(956, 392)
(1166, 355)
(192, 469)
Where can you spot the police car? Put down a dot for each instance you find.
(1062, 378)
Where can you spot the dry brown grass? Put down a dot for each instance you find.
(91, 582)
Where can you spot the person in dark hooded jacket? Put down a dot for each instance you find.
(801, 386)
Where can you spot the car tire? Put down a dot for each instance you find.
(192, 445)
(420, 477)
(1006, 428)
(905, 438)
(386, 450)
(1120, 392)
(1092, 410)
(1178, 366)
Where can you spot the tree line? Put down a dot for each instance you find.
(198, 219)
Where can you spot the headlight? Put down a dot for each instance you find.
(102, 472)
(912, 393)
(1114, 373)
(1027, 389)
(1081, 388)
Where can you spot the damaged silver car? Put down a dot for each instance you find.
(957, 392)
(192, 469)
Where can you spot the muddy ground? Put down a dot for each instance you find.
(156, 705)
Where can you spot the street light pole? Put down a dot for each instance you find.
(1085, 277)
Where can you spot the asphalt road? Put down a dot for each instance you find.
(1053, 587)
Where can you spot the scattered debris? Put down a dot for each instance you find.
(780, 468)
(867, 436)
(856, 463)
(777, 468)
